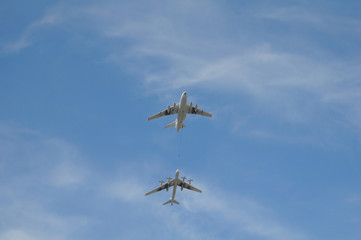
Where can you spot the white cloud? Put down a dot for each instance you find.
(17, 234)
(130, 181)
(322, 20)
(353, 200)
(25, 220)
(247, 216)
(27, 37)
(23, 42)
(288, 14)
(52, 161)
(126, 189)
(67, 174)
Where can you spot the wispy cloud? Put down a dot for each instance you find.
(31, 167)
(126, 189)
(292, 13)
(353, 199)
(247, 216)
(16, 46)
(28, 220)
(321, 20)
(47, 158)
(66, 174)
(27, 38)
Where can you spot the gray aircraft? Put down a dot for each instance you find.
(182, 108)
(174, 183)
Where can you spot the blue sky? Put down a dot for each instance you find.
(280, 159)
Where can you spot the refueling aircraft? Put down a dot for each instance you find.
(182, 108)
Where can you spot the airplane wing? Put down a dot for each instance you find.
(169, 111)
(164, 186)
(188, 186)
(196, 110)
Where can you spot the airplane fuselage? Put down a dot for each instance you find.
(174, 187)
(182, 113)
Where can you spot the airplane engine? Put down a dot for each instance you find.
(174, 105)
(168, 184)
(183, 178)
(168, 111)
(196, 108)
(190, 105)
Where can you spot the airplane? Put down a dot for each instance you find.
(174, 183)
(182, 108)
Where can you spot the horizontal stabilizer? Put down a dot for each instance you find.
(172, 124)
(167, 202)
(170, 201)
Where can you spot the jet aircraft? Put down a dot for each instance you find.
(182, 108)
(174, 183)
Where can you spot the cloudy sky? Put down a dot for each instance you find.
(280, 159)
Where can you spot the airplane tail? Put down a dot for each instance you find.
(170, 201)
(172, 124)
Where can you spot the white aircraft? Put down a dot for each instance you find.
(182, 108)
(174, 182)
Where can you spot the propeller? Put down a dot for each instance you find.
(182, 185)
(169, 178)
